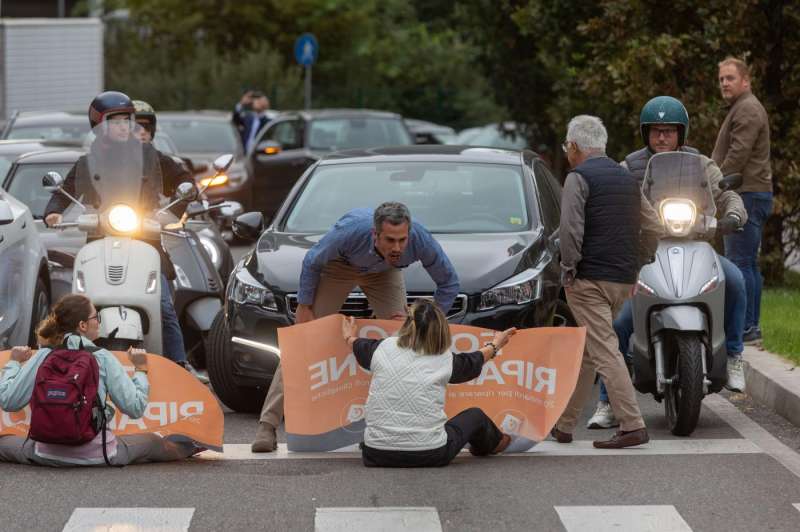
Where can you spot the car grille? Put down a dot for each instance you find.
(115, 274)
(357, 305)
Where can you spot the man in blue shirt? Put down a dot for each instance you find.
(368, 249)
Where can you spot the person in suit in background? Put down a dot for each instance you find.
(250, 115)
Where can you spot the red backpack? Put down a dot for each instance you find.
(65, 397)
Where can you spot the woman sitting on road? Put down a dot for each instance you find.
(72, 325)
(406, 422)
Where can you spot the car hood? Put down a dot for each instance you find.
(481, 261)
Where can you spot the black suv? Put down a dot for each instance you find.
(495, 213)
(293, 141)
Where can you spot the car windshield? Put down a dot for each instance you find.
(72, 133)
(445, 197)
(201, 136)
(26, 185)
(492, 136)
(347, 133)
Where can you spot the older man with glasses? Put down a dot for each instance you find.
(606, 226)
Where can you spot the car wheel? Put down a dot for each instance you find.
(40, 309)
(563, 315)
(220, 371)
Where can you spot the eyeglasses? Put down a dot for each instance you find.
(95, 317)
(666, 132)
(565, 146)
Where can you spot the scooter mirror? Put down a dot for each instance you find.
(731, 182)
(231, 209)
(223, 162)
(249, 226)
(52, 181)
(186, 192)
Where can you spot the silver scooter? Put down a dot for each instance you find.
(678, 343)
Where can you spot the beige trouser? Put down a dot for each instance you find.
(594, 305)
(385, 291)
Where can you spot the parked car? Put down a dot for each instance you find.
(201, 136)
(49, 125)
(10, 150)
(24, 277)
(495, 213)
(430, 133)
(506, 135)
(291, 143)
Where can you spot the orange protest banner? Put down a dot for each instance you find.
(524, 389)
(178, 406)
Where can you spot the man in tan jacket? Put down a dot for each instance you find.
(743, 147)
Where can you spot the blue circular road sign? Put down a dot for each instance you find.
(306, 49)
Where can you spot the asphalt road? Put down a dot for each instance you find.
(740, 471)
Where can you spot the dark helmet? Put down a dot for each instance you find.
(109, 103)
(664, 110)
(145, 111)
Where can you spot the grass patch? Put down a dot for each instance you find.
(780, 318)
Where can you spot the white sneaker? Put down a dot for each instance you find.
(735, 375)
(603, 417)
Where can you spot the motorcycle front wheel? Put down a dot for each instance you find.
(683, 398)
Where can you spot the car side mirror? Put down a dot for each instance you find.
(223, 162)
(6, 214)
(249, 226)
(269, 147)
(731, 182)
(186, 192)
(52, 181)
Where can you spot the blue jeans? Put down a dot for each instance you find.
(735, 297)
(742, 250)
(172, 336)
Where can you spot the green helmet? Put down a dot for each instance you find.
(664, 110)
(144, 110)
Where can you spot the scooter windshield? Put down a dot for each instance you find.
(678, 175)
(119, 169)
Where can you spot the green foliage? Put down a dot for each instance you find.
(780, 318)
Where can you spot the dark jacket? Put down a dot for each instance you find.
(608, 228)
(743, 144)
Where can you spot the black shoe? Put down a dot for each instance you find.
(752, 335)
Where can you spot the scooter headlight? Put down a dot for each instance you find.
(678, 216)
(212, 250)
(123, 219)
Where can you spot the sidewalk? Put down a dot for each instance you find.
(774, 381)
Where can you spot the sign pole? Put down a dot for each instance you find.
(308, 87)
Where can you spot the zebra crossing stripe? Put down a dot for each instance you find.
(617, 518)
(377, 519)
(241, 451)
(129, 520)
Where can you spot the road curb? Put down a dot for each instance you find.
(774, 381)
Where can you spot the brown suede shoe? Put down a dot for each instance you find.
(504, 442)
(561, 437)
(266, 440)
(620, 440)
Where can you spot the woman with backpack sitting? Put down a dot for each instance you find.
(56, 378)
(405, 418)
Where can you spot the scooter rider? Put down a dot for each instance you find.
(664, 126)
(117, 110)
(172, 172)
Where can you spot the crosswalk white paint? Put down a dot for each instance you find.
(377, 519)
(129, 520)
(622, 518)
(241, 451)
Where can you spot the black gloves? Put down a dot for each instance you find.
(729, 224)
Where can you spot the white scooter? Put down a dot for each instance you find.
(117, 269)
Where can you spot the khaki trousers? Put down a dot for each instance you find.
(594, 305)
(385, 291)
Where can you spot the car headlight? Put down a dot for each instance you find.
(212, 250)
(123, 219)
(518, 290)
(247, 291)
(678, 216)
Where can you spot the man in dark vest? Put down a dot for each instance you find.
(605, 223)
(664, 125)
